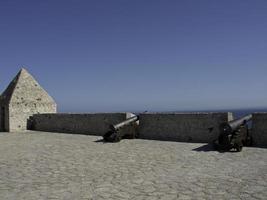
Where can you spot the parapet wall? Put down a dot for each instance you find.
(91, 124)
(259, 129)
(182, 127)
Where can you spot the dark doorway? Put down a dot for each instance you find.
(3, 116)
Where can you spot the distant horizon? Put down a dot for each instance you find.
(256, 109)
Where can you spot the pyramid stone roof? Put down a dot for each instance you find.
(24, 88)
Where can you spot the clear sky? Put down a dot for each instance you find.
(135, 55)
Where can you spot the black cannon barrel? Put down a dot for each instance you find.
(233, 125)
(124, 123)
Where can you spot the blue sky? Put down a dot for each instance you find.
(135, 55)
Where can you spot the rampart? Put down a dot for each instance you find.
(259, 129)
(182, 127)
(91, 124)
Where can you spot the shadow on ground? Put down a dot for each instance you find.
(205, 148)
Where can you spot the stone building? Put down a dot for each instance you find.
(22, 98)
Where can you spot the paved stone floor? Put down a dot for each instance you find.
(38, 165)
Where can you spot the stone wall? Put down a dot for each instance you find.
(182, 127)
(20, 113)
(259, 129)
(91, 124)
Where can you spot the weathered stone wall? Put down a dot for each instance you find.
(182, 127)
(91, 124)
(20, 113)
(259, 129)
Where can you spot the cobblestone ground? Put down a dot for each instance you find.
(38, 165)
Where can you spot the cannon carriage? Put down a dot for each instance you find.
(234, 135)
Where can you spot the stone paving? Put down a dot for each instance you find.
(38, 165)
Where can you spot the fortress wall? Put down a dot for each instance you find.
(182, 127)
(19, 113)
(259, 129)
(91, 124)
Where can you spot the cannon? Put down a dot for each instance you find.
(115, 134)
(234, 135)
